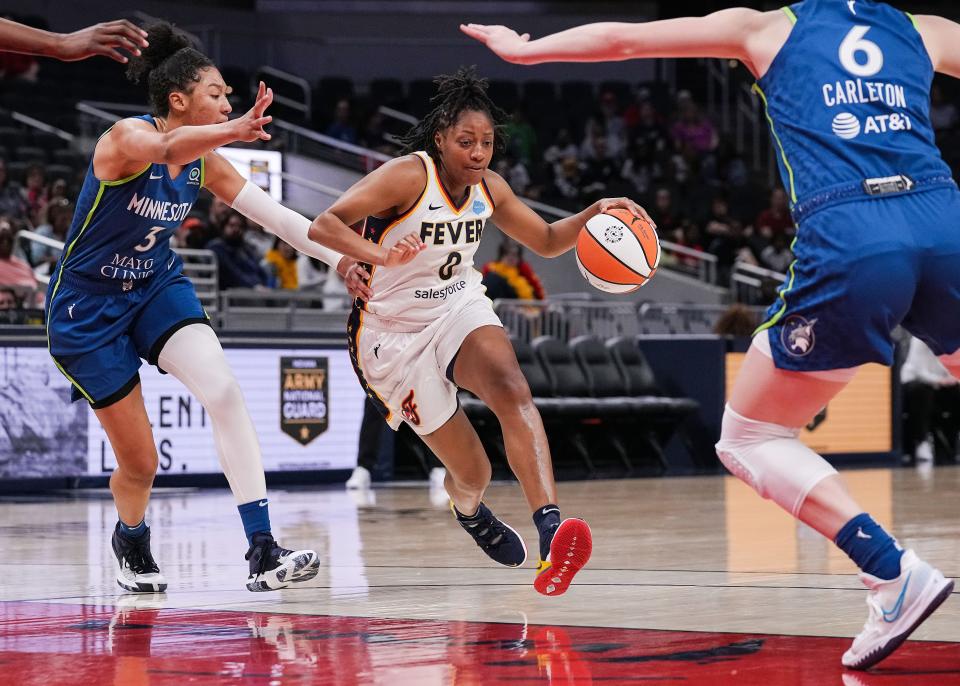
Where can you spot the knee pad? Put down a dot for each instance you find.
(771, 460)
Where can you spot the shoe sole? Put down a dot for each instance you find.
(571, 547)
(140, 587)
(301, 566)
(890, 646)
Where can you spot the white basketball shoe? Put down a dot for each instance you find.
(897, 607)
(359, 480)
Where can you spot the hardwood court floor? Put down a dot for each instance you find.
(692, 581)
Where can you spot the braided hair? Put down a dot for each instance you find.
(462, 92)
(170, 63)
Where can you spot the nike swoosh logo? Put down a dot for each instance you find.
(155, 177)
(170, 263)
(893, 614)
(548, 510)
(434, 208)
(263, 503)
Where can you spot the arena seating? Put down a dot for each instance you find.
(603, 412)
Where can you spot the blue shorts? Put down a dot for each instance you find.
(97, 339)
(862, 267)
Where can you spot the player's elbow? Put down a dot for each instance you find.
(322, 228)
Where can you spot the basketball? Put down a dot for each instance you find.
(617, 251)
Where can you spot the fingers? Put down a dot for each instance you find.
(607, 204)
(129, 30)
(476, 31)
(413, 242)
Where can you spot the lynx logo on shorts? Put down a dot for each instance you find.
(797, 335)
(303, 397)
(408, 409)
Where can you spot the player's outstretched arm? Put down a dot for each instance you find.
(133, 143)
(99, 39)
(386, 191)
(942, 40)
(524, 225)
(722, 34)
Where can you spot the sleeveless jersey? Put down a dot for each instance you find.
(121, 229)
(847, 98)
(440, 276)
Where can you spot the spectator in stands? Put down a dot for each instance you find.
(641, 168)
(614, 128)
(281, 262)
(649, 128)
(59, 215)
(57, 189)
(737, 321)
(777, 215)
(588, 146)
(688, 235)
(182, 236)
(929, 391)
(601, 174)
(342, 128)
(10, 309)
(561, 148)
(217, 214)
(515, 172)
(259, 240)
(12, 202)
(566, 185)
(522, 137)
(13, 270)
(777, 255)
(943, 113)
(239, 266)
(725, 238)
(35, 192)
(692, 127)
(664, 213)
(8, 299)
(510, 276)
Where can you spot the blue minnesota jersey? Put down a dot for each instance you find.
(847, 98)
(121, 229)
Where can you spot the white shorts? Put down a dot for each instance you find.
(411, 372)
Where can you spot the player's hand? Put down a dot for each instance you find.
(404, 250)
(355, 278)
(102, 39)
(503, 41)
(627, 204)
(249, 127)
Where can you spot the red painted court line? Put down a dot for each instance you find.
(53, 644)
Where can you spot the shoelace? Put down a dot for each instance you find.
(140, 560)
(269, 552)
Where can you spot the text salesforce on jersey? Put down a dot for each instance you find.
(439, 293)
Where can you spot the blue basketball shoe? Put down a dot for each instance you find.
(497, 539)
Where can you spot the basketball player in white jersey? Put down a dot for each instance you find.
(429, 328)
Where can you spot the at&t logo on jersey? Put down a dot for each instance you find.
(847, 126)
(864, 58)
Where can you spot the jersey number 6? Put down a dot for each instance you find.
(854, 43)
(453, 259)
(150, 239)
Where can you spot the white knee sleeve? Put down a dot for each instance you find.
(194, 356)
(771, 460)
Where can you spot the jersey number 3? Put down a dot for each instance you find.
(150, 239)
(853, 46)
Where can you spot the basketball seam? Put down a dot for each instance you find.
(652, 263)
(613, 255)
(600, 278)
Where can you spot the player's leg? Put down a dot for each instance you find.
(128, 429)
(458, 447)
(193, 355)
(759, 443)
(487, 367)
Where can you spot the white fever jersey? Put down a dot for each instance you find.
(442, 276)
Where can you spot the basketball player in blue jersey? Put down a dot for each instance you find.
(118, 294)
(846, 88)
(429, 328)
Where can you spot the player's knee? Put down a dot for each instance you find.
(507, 391)
(472, 480)
(770, 459)
(222, 395)
(138, 467)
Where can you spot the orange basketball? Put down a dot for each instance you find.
(617, 251)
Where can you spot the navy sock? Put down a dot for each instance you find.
(546, 519)
(467, 518)
(256, 518)
(870, 547)
(133, 532)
